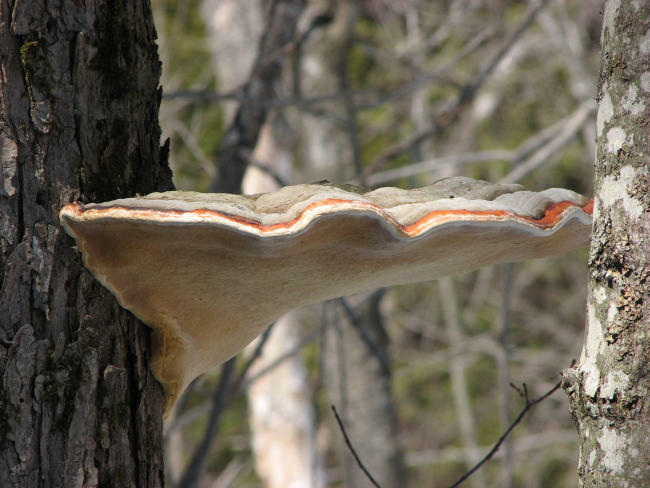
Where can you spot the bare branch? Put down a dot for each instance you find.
(384, 364)
(343, 75)
(196, 467)
(529, 404)
(530, 154)
(249, 119)
(450, 111)
(238, 94)
(573, 125)
(259, 348)
(279, 360)
(503, 360)
(354, 453)
(433, 75)
(443, 162)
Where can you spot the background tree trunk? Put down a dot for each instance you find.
(610, 389)
(79, 104)
(358, 376)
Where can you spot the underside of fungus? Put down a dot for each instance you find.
(208, 272)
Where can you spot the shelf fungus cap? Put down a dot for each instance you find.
(208, 272)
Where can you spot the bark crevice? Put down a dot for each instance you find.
(78, 404)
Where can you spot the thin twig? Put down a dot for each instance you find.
(433, 75)
(458, 376)
(237, 95)
(351, 448)
(384, 364)
(196, 466)
(437, 164)
(244, 129)
(280, 359)
(451, 110)
(503, 360)
(529, 404)
(516, 156)
(528, 156)
(507, 45)
(236, 385)
(574, 123)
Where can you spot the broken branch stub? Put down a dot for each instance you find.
(208, 272)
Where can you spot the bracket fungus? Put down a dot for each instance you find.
(208, 272)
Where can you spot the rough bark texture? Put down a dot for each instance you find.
(610, 391)
(78, 121)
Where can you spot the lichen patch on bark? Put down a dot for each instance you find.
(593, 345)
(615, 139)
(645, 81)
(644, 44)
(614, 449)
(609, 16)
(605, 111)
(612, 312)
(600, 294)
(631, 101)
(614, 189)
(615, 381)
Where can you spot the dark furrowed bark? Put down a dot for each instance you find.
(79, 103)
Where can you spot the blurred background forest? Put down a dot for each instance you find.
(387, 93)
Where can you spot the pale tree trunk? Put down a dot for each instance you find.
(78, 120)
(610, 390)
(280, 23)
(280, 410)
(281, 413)
(357, 372)
(322, 146)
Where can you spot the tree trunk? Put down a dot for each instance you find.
(280, 411)
(78, 121)
(243, 131)
(609, 391)
(357, 374)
